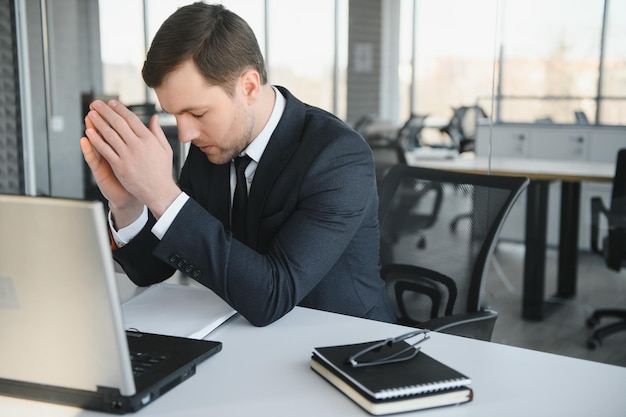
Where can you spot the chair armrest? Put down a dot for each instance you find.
(474, 325)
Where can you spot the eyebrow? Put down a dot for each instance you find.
(192, 109)
(186, 110)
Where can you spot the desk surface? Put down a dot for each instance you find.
(265, 372)
(535, 169)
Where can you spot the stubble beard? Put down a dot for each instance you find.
(243, 124)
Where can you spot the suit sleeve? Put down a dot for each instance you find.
(137, 261)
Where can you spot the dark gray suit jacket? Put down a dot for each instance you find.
(312, 235)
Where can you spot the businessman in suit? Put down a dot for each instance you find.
(309, 234)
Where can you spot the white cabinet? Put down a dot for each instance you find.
(606, 143)
(557, 142)
(505, 141)
(563, 144)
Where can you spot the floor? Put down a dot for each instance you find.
(564, 331)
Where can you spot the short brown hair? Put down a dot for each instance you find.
(220, 43)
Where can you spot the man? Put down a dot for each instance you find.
(310, 230)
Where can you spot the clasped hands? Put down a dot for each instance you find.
(131, 163)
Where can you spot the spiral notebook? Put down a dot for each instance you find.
(420, 382)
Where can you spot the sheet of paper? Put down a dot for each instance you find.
(176, 310)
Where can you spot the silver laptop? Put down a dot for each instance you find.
(63, 338)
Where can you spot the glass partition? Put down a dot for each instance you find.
(612, 89)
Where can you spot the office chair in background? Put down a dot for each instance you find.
(363, 123)
(613, 247)
(439, 285)
(462, 127)
(387, 150)
(409, 135)
(386, 154)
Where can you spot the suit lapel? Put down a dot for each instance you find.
(280, 149)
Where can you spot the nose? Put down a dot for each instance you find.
(186, 131)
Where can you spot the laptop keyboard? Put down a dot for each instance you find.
(143, 362)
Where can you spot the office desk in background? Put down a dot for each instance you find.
(264, 371)
(540, 172)
(430, 132)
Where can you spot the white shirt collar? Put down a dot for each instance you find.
(256, 148)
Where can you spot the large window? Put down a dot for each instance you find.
(298, 43)
(122, 47)
(301, 48)
(543, 60)
(451, 48)
(540, 59)
(549, 57)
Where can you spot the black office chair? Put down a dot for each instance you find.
(462, 127)
(439, 285)
(613, 247)
(409, 135)
(387, 150)
(386, 154)
(363, 123)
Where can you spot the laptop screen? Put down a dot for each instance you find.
(59, 308)
(63, 338)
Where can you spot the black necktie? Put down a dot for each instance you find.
(240, 199)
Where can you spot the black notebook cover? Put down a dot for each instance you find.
(392, 405)
(419, 375)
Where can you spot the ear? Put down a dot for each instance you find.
(250, 84)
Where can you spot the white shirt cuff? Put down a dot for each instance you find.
(125, 234)
(164, 223)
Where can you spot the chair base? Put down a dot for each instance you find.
(600, 334)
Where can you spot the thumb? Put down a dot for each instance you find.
(87, 149)
(90, 153)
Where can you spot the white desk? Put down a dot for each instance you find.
(265, 372)
(540, 172)
(534, 169)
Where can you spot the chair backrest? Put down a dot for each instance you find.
(409, 135)
(462, 126)
(363, 123)
(386, 155)
(618, 192)
(446, 224)
(387, 151)
(615, 243)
